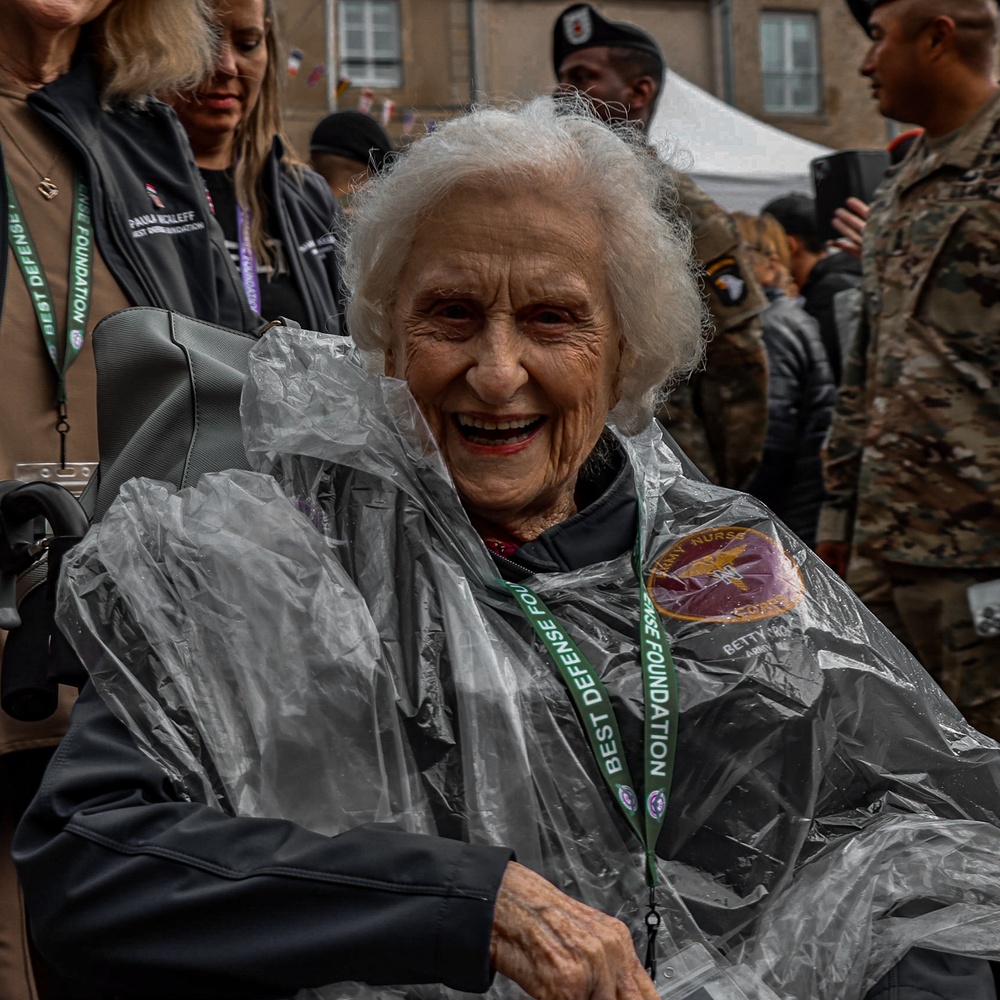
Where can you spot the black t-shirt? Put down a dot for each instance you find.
(278, 293)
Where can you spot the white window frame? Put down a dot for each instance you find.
(790, 76)
(363, 67)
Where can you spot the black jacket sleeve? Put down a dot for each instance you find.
(931, 975)
(136, 891)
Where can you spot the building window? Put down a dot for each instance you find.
(370, 52)
(790, 62)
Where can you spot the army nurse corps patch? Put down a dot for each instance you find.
(725, 574)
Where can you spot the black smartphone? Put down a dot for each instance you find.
(853, 173)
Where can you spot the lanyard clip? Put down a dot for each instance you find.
(62, 428)
(653, 921)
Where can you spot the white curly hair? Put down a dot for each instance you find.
(544, 145)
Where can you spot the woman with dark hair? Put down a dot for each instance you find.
(279, 218)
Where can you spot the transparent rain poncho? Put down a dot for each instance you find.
(325, 640)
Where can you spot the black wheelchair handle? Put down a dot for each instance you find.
(50, 500)
(21, 505)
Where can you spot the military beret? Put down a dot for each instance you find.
(581, 27)
(862, 10)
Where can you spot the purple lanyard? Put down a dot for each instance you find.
(248, 261)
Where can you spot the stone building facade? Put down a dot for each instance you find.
(791, 63)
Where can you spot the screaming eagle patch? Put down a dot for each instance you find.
(728, 282)
(725, 574)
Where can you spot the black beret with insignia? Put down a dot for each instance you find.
(862, 10)
(581, 27)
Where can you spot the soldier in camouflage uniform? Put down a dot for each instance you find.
(719, 416)
(913, 459)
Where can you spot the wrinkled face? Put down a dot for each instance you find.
(220, 102)
(892, 65)
(505, 333)
(591, 72)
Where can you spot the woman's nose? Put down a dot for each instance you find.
(225, 62)
(497, 371)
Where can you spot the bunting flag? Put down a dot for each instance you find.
(315, 75)
(387, 109)
(431, 125)
(343, 85)
(409, 120)
(365, 101)
(295, 57)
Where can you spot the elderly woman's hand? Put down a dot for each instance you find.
(556, 948)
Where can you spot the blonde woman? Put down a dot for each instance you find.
(103, 205)
(279, 218)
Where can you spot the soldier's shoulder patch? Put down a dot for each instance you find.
(727, 280)
(725, 574)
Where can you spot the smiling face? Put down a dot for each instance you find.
(505, 333)
(213, 111)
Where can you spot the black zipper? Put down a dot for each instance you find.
(53, 115)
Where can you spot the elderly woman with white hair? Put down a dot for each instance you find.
(472, 610)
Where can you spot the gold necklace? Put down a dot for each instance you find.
(46, 187)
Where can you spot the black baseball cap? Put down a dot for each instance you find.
(354, 135)
(581, 27)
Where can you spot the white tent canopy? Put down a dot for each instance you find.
(741, 162)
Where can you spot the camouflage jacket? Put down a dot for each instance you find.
(719, 416)
(913, 459)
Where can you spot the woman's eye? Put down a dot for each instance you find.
(454, 310)
(549, 317)
(246, 44)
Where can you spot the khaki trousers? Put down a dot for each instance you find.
(926, 608)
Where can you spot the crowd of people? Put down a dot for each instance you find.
(607, 606)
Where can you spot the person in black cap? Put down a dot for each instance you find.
(719, 417)
(347, 148)
(611, 61)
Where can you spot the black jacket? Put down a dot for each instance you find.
(152, 222)
(169, 897)
(830, 275)
(174, 898)
(310, 223)
(800, 398)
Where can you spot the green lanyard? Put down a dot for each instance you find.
(593, 706)
(78, 298)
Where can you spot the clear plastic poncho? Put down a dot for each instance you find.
(325, 640)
